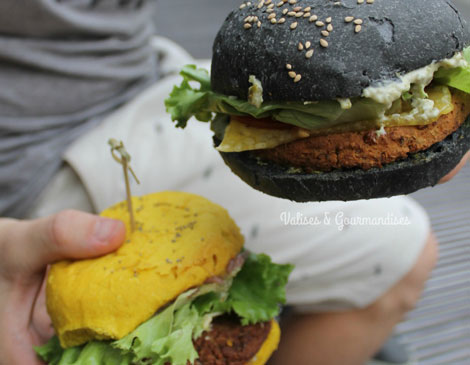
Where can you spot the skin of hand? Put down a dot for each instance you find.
(26, 250)
(455, 171)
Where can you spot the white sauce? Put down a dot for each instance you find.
(381, 132)
(345, 103)
(255, 92)
(386, 93)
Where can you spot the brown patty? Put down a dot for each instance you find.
(230, 343)
(365, 149)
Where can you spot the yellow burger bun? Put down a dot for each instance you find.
(180, 240)
(269, 346)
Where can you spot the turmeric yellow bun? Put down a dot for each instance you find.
(180, 241)
(269, 346)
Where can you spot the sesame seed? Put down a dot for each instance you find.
(294, 25)
(270, 6)
(358, 28)
(272, 15)
(300, 46)
(279, 4)
(261, 4)
(281, 21)
(329, 28)
(273, 21)
(325, 33)
(308, 44)
(269, 10)
(308, 8)
(292, 74)
(255, 18)
(328, 20)
(299, 14)
(289, 66)
(268, 2)
(358, 21)
(247, 19)
(298, 78)
(319, 23)
(360, 1)
(370, 1)
(291, 13)
(307, 15)
(313, 18)
(247, 26)
(297, 8)
(309, 54)
(284, 12)
(292, 2)
(242, 6)
(259, 24)
(349, 19)
(248, 3)
(323, 43)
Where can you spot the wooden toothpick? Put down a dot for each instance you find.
(124, 160)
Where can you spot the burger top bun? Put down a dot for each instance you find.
(362, 44)
(180, 240)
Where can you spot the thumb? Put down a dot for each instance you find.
(32, 245)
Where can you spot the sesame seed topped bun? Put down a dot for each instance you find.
(314, 100)
(310, 50)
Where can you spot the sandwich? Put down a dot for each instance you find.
(181, 290)
(314, 100)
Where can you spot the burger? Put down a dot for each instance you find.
(315, 100)
(179, 291)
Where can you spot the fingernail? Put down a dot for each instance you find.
(104, 228)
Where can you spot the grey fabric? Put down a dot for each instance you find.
(63, 66)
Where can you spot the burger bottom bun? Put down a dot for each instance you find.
(418, 171)
(269, 346)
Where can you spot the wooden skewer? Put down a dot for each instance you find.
(124, 160)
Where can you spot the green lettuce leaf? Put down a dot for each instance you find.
(256, 292)
(186, 101)
(93, 353)
(458, 78)
(259, 289)
(168, 336)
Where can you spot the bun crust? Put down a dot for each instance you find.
(419, 170)
(180, 241)
(396, 36)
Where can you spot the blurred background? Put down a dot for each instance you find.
(438, 331)
(196, 26)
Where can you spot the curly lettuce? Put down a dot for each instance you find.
(187, 101)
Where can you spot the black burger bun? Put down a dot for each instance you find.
(397, 36)
(419, 170)
(353, 44)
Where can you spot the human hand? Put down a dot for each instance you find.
(455, 171)
(26, 250)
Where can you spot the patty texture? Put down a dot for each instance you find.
(365, 44)
(366, 149)
(230, 343)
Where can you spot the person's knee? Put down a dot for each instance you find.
(404, 296)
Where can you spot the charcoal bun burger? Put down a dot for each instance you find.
(315, 100)
(179, 291)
